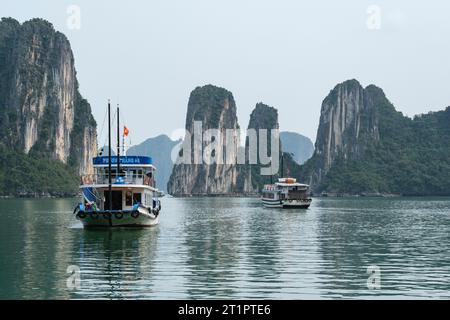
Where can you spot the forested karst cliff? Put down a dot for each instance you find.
(213, 108)
(264, 118)
(365, 146)
(42, 114)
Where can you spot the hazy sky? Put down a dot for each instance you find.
(149, 55)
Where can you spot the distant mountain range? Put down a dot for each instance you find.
(300, 147)
(159, 148)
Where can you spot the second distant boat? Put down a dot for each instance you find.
(286, 193)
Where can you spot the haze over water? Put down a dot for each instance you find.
(231, 248)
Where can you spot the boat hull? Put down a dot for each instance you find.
(117, 219)
(286, 204)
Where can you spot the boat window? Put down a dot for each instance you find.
(113, 172)
(128, 174)
(137, 198)
(148, 199)
(128, 198)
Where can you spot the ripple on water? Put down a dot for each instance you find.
(232, 248)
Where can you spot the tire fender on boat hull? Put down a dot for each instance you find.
(135, 214)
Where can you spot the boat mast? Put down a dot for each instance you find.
(118, 143)
(109, 162)
(271, 171)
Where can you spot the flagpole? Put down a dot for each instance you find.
(123, 144)
(118, 144)
(123, 140)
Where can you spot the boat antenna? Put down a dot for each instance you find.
(118, 143)
(109, 162)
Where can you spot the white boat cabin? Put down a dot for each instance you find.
(286, 189)
(133, 185)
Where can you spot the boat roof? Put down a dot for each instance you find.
(126, 161)
(285, 182)
(295, 184)
(118, 186)
(289, 182)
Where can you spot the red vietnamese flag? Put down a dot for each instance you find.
(125, 131)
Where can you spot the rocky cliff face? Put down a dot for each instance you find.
(364, 146)
(41, 110)
(347, 117)
(251, 180)
(213, 108)
(348, 123)
(262, 117)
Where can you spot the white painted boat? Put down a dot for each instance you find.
(121, 192)
(286, 193)
(134, 200)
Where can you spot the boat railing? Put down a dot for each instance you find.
(121, 179)
(298, 195)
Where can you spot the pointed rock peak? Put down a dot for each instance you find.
(39, 24)
(10, 20)
(262, 107)
(210, 96)
(263, 116)
(346, 86)
(209, 88)
(351, 83)
(375, 91)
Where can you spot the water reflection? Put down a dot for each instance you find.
(231, 248)
(114, 262)
(392, 234)
(261, 250)
(34, 249)
(211, 238)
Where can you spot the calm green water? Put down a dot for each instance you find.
(231, 248)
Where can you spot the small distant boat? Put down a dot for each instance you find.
(286, 193)
(121, 192)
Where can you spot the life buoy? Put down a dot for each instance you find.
(118, 215)
(135, 214)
